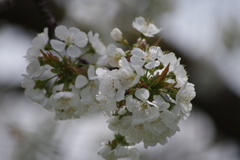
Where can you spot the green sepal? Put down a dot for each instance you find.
(40, 84)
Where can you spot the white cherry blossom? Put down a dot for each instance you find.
(35, 95)
(183, 98)
(27, 82)
(96, 43)
(127, 76)
(120, 126)
(71, 38)
(107, 81)
(171, 59)
(35, 70)
(38, 43)
(139, 57)
(146, 28)
(114, 55)
(88, 93)
(65, 104)
(181, 75)
(142, 111)
(119, 152)
(127, 152)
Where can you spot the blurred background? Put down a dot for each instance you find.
(206, 34)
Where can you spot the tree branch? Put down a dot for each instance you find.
(43, 9)
(47, 14)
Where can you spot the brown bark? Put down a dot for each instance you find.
(47, 15)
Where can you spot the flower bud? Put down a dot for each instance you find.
(117, 35)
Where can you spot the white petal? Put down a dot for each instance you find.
(111, 48)
(139, 21)
(137, 52)
(138, 117)
(90, 36)
(27, 82)
(105, 150)
(73, 51)
(81, 39)
(111, 104)
(131, 103)
(91, 72)
(86, 96)
(119, 50)
(73, 31)
(34, 94)
(169, 58)
(139, 70)
(117, 84)
(142, 94)
(153, 29)
(121, 151)
(58, 45)
(102, 60)
(164, 106)
(123, 62)
(39, 42)
(154, 114)
(61, 32)
(136, 60)
(46, 104)
(136, 80)
(100, 48)
(33, 52)
(100, 71)
(34, 69)
(120, 95)
(81, 81)
(176, 110)
(134, 153)
(180, 72)
(153, 64)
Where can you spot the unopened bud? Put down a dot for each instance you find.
(117, 35)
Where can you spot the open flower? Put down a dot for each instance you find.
(38, 43)
(114, 55)
(35, 70)
(119, 152)
(128, 75)
(142, 110)
(146, 28)
(149, 58)
(65, 104)
(96, 43)
(183, 98)
(88, 94)
(71, 38)
(35, 95)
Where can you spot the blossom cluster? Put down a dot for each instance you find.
(143, 90)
